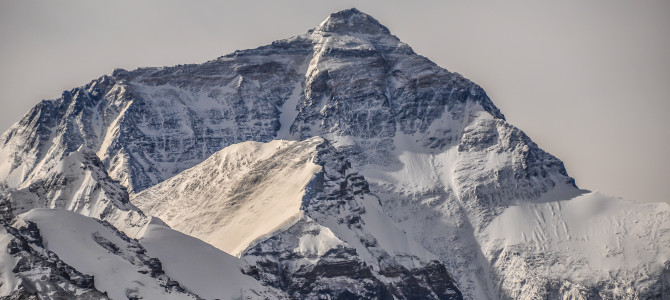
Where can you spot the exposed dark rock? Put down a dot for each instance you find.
(43, 275)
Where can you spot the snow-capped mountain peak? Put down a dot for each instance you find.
(351, 21)
(336, 163)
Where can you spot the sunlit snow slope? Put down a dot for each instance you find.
(237, 195)
(201, 268)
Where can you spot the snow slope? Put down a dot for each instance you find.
(118, 264)
(30, 271)
(58, 254)
(620, 245)
(236, 196)
(202, 269)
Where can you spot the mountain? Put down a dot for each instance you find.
(299, 214)
(79, 182)
(114, 264)
(333, 163)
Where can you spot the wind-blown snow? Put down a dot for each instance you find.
(329, 214)
(249, 189)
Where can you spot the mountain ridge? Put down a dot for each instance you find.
(431, 147)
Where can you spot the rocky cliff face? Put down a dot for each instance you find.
(429, 147)
(150, 124)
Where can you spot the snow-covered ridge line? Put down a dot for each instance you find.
(55, 253)
(115, 264)
(26, 264)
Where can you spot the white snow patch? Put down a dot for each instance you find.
(339, 141)
(199, 267)
(289, 112)
(318, 244)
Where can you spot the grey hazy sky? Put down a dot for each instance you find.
(589, 81)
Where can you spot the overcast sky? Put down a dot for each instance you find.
(589, 81)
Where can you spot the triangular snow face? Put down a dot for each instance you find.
(237, 195)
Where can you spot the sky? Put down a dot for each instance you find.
(589, 81)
